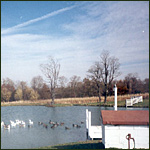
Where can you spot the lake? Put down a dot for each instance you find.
(38, 136)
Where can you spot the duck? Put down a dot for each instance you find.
(50, 122)
(74, 125)
(7, 127)
(78, 126)
(61, 123)
(30, 122)
(54, 125)
(40, 123)
(67, 128)
(45, 125)
(57, 124)
(82, 122)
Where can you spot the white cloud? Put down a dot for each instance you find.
(113, 26)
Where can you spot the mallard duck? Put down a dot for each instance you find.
(78, 126)
(74, 125)
(61, 123)
(40, 123)
(67, 128)
(57, 124)
(45, 125)
(53, 126)
(50, 122)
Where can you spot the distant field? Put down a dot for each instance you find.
(80, 101)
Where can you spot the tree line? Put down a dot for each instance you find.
(74, 87)
(99, 82)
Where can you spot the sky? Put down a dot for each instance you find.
(75, 33)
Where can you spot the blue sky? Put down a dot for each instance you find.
(75, 33)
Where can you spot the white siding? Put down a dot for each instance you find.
(115, 136)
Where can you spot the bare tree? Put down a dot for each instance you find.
(62, 85)
(96, 75)
(63, 81)
(105, 71)
(51, 72)
(37, 83)
(110, 66)
(131, 81)
(74, 82)
(23, 86)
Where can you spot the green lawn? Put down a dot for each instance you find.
(145, 103)
(95, 144)
(122, 103)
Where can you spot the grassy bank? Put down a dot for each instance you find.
(145, 103)
(95, 144)
(86, 101)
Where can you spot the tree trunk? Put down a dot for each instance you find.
(99, 94)
(105, 93)
(52, 96)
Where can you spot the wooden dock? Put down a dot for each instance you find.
(93, 132)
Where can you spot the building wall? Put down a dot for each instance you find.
(115, 136)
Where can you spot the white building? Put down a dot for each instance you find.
(124, 128)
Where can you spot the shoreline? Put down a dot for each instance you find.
(144, 104)
(84, 101)
(89, 144)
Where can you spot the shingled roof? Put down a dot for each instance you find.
(125, 117)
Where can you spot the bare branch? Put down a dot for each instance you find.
(51, 72)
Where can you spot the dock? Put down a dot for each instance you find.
(93, 132)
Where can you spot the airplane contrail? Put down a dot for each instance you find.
(11, 29)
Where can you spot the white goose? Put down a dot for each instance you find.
(18, 122)
(30, 122)
(22, 124)
(2, 124)
(13, 124)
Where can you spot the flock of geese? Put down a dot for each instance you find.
(21, 123)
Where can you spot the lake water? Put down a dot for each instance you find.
(38, 136)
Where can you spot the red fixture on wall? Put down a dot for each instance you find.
(128, 137)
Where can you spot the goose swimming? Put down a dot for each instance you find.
(12, 123)
(30, 122)
(2, 124)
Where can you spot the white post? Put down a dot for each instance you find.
(87, 119)
(115, 100)
(89, 123)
